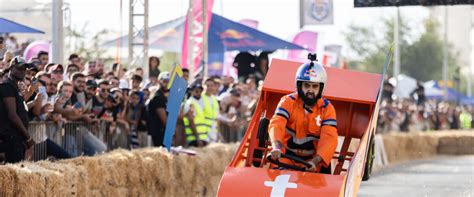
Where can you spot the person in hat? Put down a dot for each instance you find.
(156, 109)
(56, 71)
(14, 136)
(194, 126)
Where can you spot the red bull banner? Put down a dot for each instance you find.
(197, 33)
(306, 39)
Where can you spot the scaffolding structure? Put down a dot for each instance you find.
(138, 34)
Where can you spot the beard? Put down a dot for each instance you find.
(310, 98)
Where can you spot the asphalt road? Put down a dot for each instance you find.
(441, 176)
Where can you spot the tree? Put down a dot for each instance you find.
(85, 45)
(421, 58)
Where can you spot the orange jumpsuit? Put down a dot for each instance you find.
(305, 132)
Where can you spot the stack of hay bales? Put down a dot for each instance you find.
(456, 144)
(401, 147)
(143, 172)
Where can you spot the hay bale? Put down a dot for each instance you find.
(142, 172)
(457, 144)
(401, 147)
(67, 180)
(8, 181)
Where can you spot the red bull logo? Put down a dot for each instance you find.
(310, 73)
(234, 34)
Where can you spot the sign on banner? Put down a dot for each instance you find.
(316, 12)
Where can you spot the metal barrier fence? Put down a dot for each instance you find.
(73, 139)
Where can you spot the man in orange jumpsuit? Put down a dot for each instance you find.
(304, 124)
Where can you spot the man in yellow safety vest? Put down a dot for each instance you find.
(201, 111)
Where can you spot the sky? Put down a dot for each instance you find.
(276, 17)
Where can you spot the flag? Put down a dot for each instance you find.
(306, 39)
(175, 71)
(176, 96)
(197, 33)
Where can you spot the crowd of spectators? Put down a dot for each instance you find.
(127, 106)
(418, 113)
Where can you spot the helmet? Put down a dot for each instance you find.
(312, 72)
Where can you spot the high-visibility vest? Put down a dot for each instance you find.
(204, 119)
(465, 119)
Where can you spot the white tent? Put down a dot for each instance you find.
(431, 89)
(405, 85)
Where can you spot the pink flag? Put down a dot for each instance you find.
(306, 39)
(197, 33)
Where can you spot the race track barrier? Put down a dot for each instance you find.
(141, 172)
(401, 147)
(153, 172)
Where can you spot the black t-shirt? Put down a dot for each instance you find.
(7, 89)
(154, 122)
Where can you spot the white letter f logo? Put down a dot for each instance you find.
(279, 185)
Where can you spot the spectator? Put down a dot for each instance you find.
(226, 84)
(14, 136)
(245, 64)
(418, 94)
(154, 66)
(31, 72)
(56, 71)
(135, 117)
(99, 69)
(186, 74)
(3, 49)
(7, 57)
(76, 60)
(91, 144)
(262, 62)
(71, 69)
(387, 92)
(99, 99)
(156, 110)
(39, 86)
(43, 57)
(78, 98)
(91, 87)
(91, 69)
(12, 44)
(114, 82)
(138, 71)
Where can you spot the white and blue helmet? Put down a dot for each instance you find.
(312, 72)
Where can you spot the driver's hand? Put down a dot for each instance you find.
(276, 154)
(314, 163)
(313, 166)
